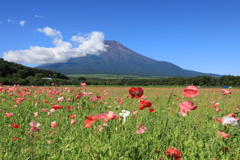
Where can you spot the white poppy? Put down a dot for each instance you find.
(124, 114)
(230, 120)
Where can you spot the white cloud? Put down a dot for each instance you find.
(10, 21)
(39, 16)
(92, 43)
(22, 23)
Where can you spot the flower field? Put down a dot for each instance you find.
(114, 123)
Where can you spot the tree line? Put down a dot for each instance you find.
(13, 73)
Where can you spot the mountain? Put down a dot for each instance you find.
(118, 59)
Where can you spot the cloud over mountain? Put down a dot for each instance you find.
(92, 43)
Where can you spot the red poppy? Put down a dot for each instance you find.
(144, 104)
(56, 107)
(72, 116)
(151, 110)
(190, 91)
(79, 95)
(173, 152)
(136, 92)
(15, 138)
(15, 125)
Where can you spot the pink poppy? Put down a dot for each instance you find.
(186, 106)
(54, 124)
(136, 92)
(83, 84)
(190, 91)
(43, 110)
(73, 121)
(9, 114)
(141, 129)
(34, 128)
(224, 92)
(223, 134)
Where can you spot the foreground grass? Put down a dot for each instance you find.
(194, 135)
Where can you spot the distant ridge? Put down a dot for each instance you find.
(118, 59)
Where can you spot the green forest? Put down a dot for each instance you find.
(13, 73)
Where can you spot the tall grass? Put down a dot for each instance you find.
(193, 135)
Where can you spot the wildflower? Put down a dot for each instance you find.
(15, 125)
(144, 104)
(217, 109)
(9, 114)
(35, 114)
(73, 121)
(230, 120)
(223, 134)
(141, 129)
(151, 110)
(78, 96)
(72, 116)
(190, 91)
(186, 106)
(83, 84)
(173, 152)
(124, 114)
(14, 138)
(34, 128)
(136, 92)
(56, 107)
(215, 105)
(224, 92)
(43, 110)
(54, 124)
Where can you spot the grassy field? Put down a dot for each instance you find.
(111, 76)
(85, 123)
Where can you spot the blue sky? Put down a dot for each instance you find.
(200, 35)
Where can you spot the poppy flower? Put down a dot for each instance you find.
(223, 134)
(136, 92)
(54, 124)
(173, 152)
(186, 106)
(230, 120)
(78, 96)
(56, 107)
(224, 92)
(14, 138)
(34, 128)
(73, 121)
(141, 129)
(72, 116)
(9, 114)
(215, 105)
(15, 125)
(124, 114)
(151, 110)
(83, 84)
(190, 91)
(144, 104)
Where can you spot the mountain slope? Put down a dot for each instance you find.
(118, 59)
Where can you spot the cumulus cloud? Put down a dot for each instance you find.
(92, 43)
(39, 16)
(22, 23)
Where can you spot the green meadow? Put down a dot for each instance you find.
(194, 135)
